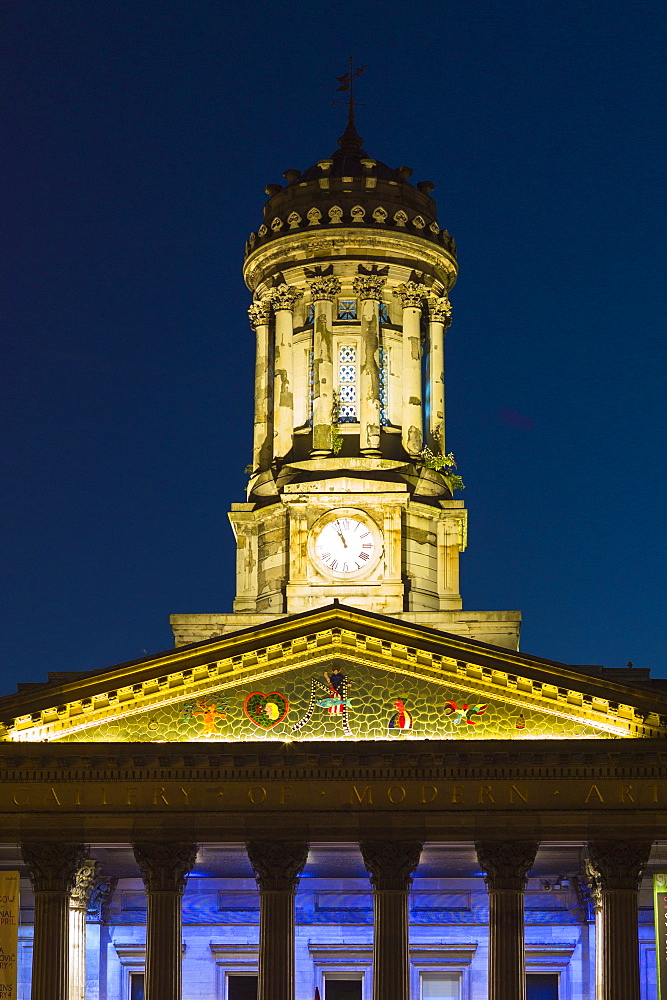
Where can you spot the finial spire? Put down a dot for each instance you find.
(350, 139)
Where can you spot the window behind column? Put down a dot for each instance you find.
(542, 986)
(136, 986)
(343, 986)
(241, 987)
(440, 986)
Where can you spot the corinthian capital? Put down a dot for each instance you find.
(285, 297)
(391, 862)
(277, 864)
(84, 881)
(618, 864)
(324, 289)
(259, 313)
(369, 286)
(53, 867)
(440, 310)
(506, 863)
(411, 293)
(164, 866)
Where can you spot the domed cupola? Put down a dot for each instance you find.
(350, 188)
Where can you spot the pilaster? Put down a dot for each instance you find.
(283, 300)
(440, 317)
(260, 313)
(391, 865)
(323, 290)
(277, 866)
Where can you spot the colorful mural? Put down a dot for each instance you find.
(295, 705)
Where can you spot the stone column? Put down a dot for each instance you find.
(283, 299)
(323, 290)
(617, 868)
(277, 866)
(440, 317)
(391, 864)
(506, 864)
(53, 869)
(164, 867)
(412, 294)
(369, 289)
(260, 313)
(84, 881)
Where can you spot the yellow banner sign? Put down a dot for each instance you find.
(9, 933)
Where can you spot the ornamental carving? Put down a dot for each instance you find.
(440, 310)
(418, 222)
(411, 293)
(259, 314)
(391, 863)
(314, 216)
(435, 228)
(618, 864)
(294, 220)
(100, 899)
(335, 214)
(401, 218)
(53, 867)
(277, 224)
(369, 286)
(380, 214)
(262, 231)
(285, 297)
(506, 863)
(165, 866)
(324, 289)
(277, 864)
(84, 880)
(358, 213)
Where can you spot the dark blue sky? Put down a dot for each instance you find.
(138, 138)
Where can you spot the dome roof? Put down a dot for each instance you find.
(350, 188)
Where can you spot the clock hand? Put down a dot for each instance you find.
(342, 538)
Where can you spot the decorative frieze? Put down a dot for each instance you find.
(324, 289)
(440, 310)
(285, 297)
(617, 864)
(411, 294)
(259, 313)
(53, 867)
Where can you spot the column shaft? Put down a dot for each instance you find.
(411, 295)
(369, 288)
(617, 868)
(261, 444)
(323, 290)
(284, 299)
(164, 867)
(506, 864)
(439, 319)
(391, 864)
(277, 866)
(77, 954)
(52, 870)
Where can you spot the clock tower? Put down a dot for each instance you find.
(351, 493)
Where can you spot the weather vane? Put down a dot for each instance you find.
(346, 84)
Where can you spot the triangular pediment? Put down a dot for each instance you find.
(337, 673)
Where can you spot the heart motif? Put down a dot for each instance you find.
(266, 710)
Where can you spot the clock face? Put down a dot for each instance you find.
(345, 545)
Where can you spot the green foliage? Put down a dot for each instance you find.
(441, 464)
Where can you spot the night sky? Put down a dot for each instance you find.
(138, 138)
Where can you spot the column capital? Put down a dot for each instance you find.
(411, 293)
(440, 310)
(391, 863)
(100, 899)
(259, 313)
(284, 297)
(506, 863)
(369, 286)
(84, 880)
(618, 864)
(53, 867)
(323, 289)
(277, 864)
(164, 866)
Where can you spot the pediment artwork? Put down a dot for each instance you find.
(330, 683)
